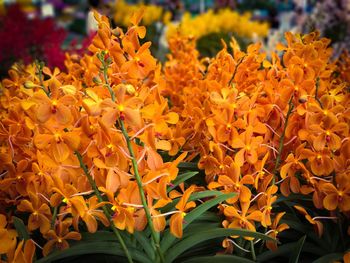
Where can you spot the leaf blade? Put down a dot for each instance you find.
(101, 247)
(168, 238)
(218, 258)
(20, 228)
(298, 248)
(195, 239)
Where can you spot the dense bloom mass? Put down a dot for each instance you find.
(100, 145)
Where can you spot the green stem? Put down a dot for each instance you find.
(253, 250)
(281, 141)
(105, 210)
(236, 68)
(39, 66)
(105, 64)
(105, 76)
(155, 237)
(54, 216)
(316, 92)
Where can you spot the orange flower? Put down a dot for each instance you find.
(176, 220)
(116, 178)
(328, 135)
(124, 214)
(317, 224)
(232, 181)
(242, 219)
(7, 237)
(268, 199)
(58, 238)
(126, 107)
(55, 106)
(140, 62)
(40, 213)
(17, 255)
(275, 229)
(88, 212)
(60, 143)
(248, 145)
(320, 162)
(337, 195)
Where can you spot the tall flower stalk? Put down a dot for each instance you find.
(155, 237)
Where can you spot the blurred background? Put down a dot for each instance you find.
(47, 29)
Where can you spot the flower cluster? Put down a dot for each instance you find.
(225, 20)
(152, 13)
(69, 138)
(262, 128)
(99, 146)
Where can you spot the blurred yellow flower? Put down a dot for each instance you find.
(225, 20)
(152, 13)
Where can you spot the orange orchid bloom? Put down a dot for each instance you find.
(58, 238)
(40, 213)
(296, 85)
(158, 219)
(262, 176)
(125, 107)
(42, 168)
(293, 164)
(176, 220)
(135, 31)
(115, 178)
(329, 135)
(55, 106)
(337, 195)
(60, 143)
(242, 219)
(327, 113)
(88, 212)
(63, 192)
(53, 82)
(221, 126)
(232, 181)
(140, 62)
(248, 145)
(267, 200)
(317, 224)
(275, 229)
(17, 255)
(7, 236)
(124, 213)
(19, 178)
(321, 162)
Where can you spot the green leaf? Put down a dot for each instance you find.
(193, 197)
(286, 250)
(20, 228)
(329, 258)
(298, 248)
(218, 259)
(180, 179)
(98, 236)
(282, 250)
(168, 238)
(306, 229)
(195, 227)
(145, 243)
(101, 247)
(293, 197)
(204, 235)
(188, 166)
(210, 216)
